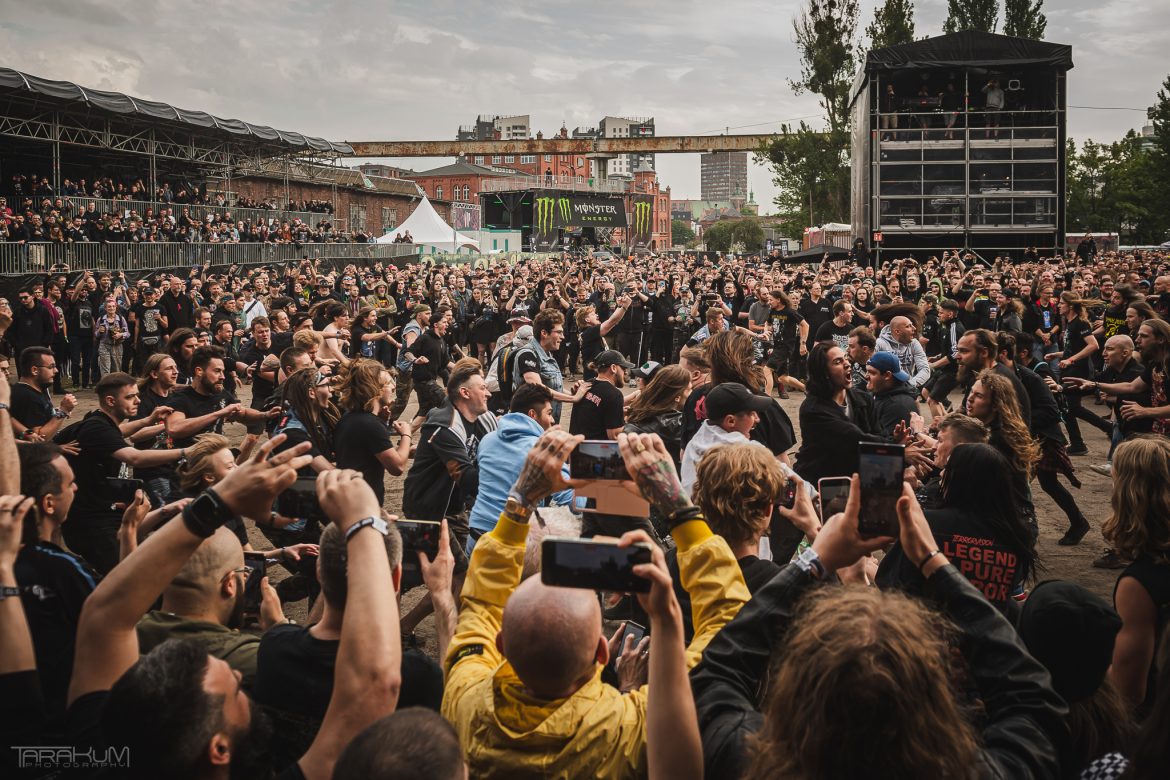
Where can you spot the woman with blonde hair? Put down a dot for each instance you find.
(1139, 529)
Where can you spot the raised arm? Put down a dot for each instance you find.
(9, 461)
(16, 645)
(623, 304)
(107, 629)
(368, 672)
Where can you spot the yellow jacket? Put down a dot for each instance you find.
(596, 732)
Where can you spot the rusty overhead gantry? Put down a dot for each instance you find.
(668, 144)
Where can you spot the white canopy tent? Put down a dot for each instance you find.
(428, 229)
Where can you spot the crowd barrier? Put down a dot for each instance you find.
(200, 212)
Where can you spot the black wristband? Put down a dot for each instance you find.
(680, 516)
(206, 514)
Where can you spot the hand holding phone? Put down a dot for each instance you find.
(257, 566)
(881, 468)
(593, 564)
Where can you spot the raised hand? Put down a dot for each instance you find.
(540, 476)
(839, 543)
(250, 488)
(652, 472)
(346, 497)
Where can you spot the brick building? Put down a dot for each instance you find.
(646, 182)
(460, 181)
(382, 205)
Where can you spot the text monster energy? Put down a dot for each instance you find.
(548, 209)
(641, 217)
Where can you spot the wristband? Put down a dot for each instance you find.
(377, 523)
(204, 516)
(4, 408)
(810, 563)
(680, 516)
(517, 507)
(9, 592)
(926, 560)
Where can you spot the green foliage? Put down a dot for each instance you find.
(893, 24)
(718, 237)
(1024, 19)
(748, 233)
(971, 15)
(680, 232)
(809, 163)
(825, 33)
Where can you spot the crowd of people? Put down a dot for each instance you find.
(251, 430)
(33, 211)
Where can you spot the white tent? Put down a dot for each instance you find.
(427, 228)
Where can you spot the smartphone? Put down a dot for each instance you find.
(834, 495)
(300, 501)
(597, 460)
(123, 490)
(636, 630)
(257, 566)
(788, 495)
(593, 564)
(881, 468)
(419, 536)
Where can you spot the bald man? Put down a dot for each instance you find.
(899, 337)
(205, 602)
(1121, 367)
(524, 688)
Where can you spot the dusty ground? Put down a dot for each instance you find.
(1068, 563)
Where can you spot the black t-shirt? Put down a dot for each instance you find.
(194, 404)
(98, 438)
(1113, 320)
(53, 586)
(526, 362)
(358, 440)
(148, 329)
(838, 334)
(592, 345)
(432, 347)
(784, 327)
(147, 403)
(1076, 332)
(600, 410)
(30, 407)
(253, 354)
(817, 313)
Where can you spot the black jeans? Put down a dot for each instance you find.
(1077, 410)
(83, 362)
(1050, 484)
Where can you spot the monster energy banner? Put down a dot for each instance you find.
(552, 211)
(642, 220)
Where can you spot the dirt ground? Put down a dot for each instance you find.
(1066, 563)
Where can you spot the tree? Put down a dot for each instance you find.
(680, 233)
(809, 165)
(971, 15)
(1024, 19)
(825, 37)
(718, 237)
(893, 24)
(749, 233)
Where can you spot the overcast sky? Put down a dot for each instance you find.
(367, 70)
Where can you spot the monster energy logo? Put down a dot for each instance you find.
(547, 209)
(641, 217)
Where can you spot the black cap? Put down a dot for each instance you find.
(733, 398)
(611, 357)
(647, 370)
(1071, 631)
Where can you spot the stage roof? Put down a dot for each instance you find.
(967, 48)
(117, 103)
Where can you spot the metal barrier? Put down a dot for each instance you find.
(199, 212)
(510, 183)
(43, 257)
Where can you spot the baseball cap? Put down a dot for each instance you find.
(520, 314)
(420, 308)
(611, 357)
(888, 361)
(647, 370)
(523, 334)
(733, 398)
(1071, 631)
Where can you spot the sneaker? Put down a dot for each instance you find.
(783, 394)
(1104, 469)
(1111, 559)
(1081, 450)
(1074, 535)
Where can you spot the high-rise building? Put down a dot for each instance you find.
(494, 127)
(627, 127)
(724, 175)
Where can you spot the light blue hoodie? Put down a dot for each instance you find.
(501, 456)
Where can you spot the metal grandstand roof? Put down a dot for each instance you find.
(119, 103)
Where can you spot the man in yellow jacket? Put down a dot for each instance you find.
(523, 686)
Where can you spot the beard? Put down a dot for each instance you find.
(964, 375)
(251, 749)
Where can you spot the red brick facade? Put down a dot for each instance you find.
(371, 211)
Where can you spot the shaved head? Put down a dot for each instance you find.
(202, 588)
(902, 329)
(551, 636)
(1121, 341)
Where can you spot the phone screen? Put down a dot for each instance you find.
(419, 536)
(300, 500)
(597, 460)
(257, 566)
(636, 630)
(595, 565)
(834, 494)
(124, 490)
(881, 468)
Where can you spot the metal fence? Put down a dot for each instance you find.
(199, 212)
(43, 257)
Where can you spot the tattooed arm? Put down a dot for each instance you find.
(541, 474)
(652, 470)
